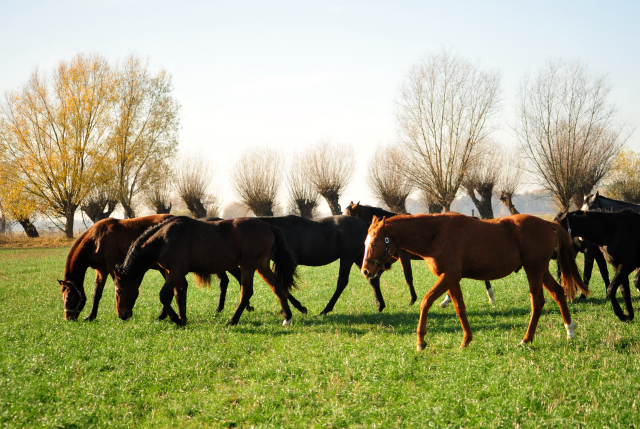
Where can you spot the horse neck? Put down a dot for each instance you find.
(413, 234)
(142, 256)
(596, 227)
(77, 263)
(367, 215)
(616, 205)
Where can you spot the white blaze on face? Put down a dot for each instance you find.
(585, 207)
(344, 212)
(367, 246)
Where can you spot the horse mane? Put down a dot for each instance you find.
(73, 252)
(136, 259)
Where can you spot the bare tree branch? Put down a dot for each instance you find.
(386, 181)
(256, 179)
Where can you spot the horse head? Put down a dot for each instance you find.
(378, 256)
(74, 299)
(351, 208)
(591, 202)
(127, 290)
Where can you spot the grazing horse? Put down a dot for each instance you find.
(101, 247)
(456, 246)
(318, 242)
(182, 245)
(366, 213)
(620, 233)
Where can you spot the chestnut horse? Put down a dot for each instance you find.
(182, 245)
(456, 246)
(366, 213)
(101, 247)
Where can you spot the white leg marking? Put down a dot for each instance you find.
(490, 293)
(570, 327)
(286, 322)
(447, 300)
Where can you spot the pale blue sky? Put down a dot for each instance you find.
(287, 74)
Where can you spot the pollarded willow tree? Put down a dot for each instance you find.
(256, 179)
(482, 176)
(510, 180)
(192, 179)
(303, 196)
(330, 167)
(56, 134)
(566, 129)
(445, 106)
(386, 180)
(145, 131)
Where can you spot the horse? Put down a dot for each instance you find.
(101, 247)
(182, 245)
(456, 246)
(318, 242)
(620, 233)
(596, 202)
(366, 213)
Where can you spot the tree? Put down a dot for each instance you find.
(482, 177)
(510, 180)
(443, 113)
(303, 196)
(57, 134)
(386, 181)
(329, 168)
(623, 180)
(430, 202)
(157, 196)
(192, 179)
(145, 132)
(256, 179)
(16, 203)
(566, 129)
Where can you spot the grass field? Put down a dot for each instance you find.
(352, 368)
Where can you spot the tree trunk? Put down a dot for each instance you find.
(95, 210)
(128, 210)
(332, 199)
(262, 208)
(507, 200)
(68, 227)
(397, 204)
(29, 228)
(306, 206)
(161, 208)
(3, 225)
(196, 207)
(434, 207)
(485, 210)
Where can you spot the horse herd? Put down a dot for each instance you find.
(454, 246)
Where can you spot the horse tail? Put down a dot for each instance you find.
(202, 280)
(571, 279)
(284, 266)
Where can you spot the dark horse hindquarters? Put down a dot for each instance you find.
(322, 241)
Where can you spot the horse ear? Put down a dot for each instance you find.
(597, 193)
(356, 204)
(61, 282)
(384, 218)
(374, 219)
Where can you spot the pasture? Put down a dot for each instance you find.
(352, 368)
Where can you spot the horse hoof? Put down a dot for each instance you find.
(219, 310)
(303, 310)
(90, 318)
(522, 343)
(249, 308)
(286, 322)
(421, 346)
(413, 301)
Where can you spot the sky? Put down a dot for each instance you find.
(287, 74)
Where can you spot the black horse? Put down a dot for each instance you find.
(319, 242)
(596, 202)
(366, 213)
(620, 233)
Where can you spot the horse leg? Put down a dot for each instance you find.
(602, 265)
(557, 293)
(626, 295)
(235, 272)
(445, 301)
(343, 281)
(405, 263)
(301, 308)
(163, 312)
(589, 256)
(618, 278)
(180, 294)
(246, 291)
(535, 278)
(441, 285)
(223, 282)
(636, 279)
(458, 303)
(173, 283)
(101, 278)
(489, 291)
(277, 288)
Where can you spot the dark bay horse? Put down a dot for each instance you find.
(620, 233)
(182, 245)
(456, 246)
(101, 247)
(366, 213)
(319, 242)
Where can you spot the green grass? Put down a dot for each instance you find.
(352, 368)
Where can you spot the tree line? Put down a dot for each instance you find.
(95, 135)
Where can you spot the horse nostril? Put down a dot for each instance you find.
(365, 272)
